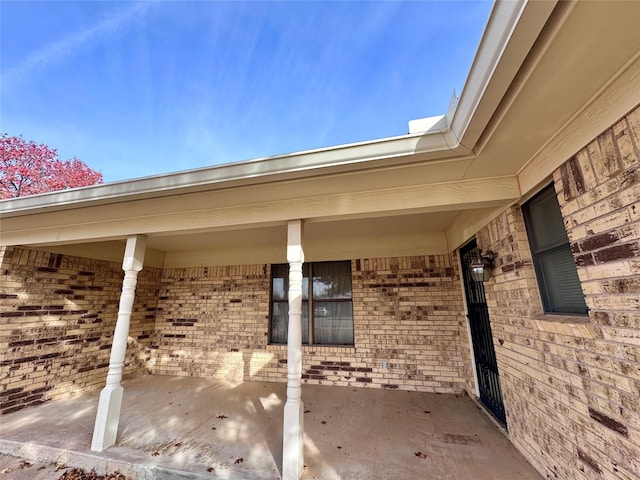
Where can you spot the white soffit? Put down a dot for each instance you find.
(567, 84)
(511, 31)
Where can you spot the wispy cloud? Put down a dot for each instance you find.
(67, 46)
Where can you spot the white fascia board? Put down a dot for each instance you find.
(512, 29)
(450, 136)
(343, 158)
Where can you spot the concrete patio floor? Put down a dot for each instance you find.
(181, 428)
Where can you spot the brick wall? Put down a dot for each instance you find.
(213, 321)
(572, 385)
(409, 312)
(57, 316)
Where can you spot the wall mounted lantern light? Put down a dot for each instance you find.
(481, 265)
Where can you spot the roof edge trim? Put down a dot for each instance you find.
(446, 139)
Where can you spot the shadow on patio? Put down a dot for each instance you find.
(182, 427)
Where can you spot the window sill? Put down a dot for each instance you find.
(312, 349)
(562, 318)
(573, 325)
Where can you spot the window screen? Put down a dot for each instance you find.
(327, 309)
(552, 258)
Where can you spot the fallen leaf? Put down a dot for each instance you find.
(239, 461)
(79, 474)
(115, 476)
(73, 474)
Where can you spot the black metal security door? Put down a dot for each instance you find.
(485, 355)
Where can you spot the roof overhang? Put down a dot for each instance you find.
(503, 48)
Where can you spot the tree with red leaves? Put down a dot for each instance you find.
(27, 168)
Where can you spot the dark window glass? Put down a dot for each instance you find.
(552, 258)
(327, 313)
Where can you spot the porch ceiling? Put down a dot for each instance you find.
(393, 235)
(546, 79)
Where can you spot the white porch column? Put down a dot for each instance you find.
(292, 442)
(108, 415)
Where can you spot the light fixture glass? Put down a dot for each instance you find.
(481, 266)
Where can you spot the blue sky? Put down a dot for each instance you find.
(143, 88)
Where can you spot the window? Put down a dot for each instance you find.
(552, 258)
(327, 312)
